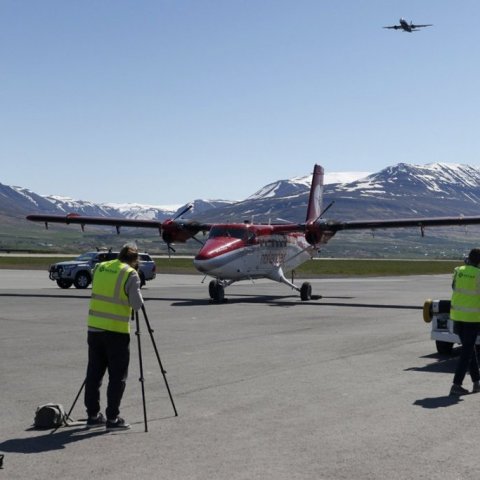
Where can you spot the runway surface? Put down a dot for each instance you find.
(348, 386)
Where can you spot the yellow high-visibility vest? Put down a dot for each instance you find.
(465, 303)
(109, 307)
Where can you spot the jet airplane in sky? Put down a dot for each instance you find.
(408, 27)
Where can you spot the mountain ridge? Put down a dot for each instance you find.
(398, 191)
(436, 187)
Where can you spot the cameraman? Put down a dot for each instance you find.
(115, 292)
(465, 311)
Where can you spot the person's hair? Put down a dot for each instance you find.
(474, 256)
(128, 254)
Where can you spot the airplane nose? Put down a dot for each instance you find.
(217, 253)
(218, 246)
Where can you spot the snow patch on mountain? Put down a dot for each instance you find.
(27, 194)
(404, 179)
(341, 177)
(299, 185)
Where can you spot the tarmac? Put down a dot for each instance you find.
(347, 386)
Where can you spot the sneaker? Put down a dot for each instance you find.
(476, 387)
(458, 390)
(117, 424)
(97, 421)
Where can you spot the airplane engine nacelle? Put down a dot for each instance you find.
(174, 232)
(317, 233)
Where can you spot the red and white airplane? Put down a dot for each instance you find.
(247, 251)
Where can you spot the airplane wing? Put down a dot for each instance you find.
(322, 231)
(73, 218)
(421, 26)
(396, 27)
(403, 222)
(176, 230)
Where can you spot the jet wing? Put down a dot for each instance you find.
(421, 26)
(396, 27)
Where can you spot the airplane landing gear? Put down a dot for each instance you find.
(216, 291)
(306, 291)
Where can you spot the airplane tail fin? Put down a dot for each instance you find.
(316, 194)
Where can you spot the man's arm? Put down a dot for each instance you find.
(132, 289)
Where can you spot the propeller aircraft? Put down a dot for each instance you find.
(408, 27)
(245, 251)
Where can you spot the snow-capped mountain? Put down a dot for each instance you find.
(283, 188)
(438, 179)
(400, 190)
(436, 189)
(21, 201)
(299, 185)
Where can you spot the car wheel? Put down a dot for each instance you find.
(82, 280)
(64, 283)
(142, 279)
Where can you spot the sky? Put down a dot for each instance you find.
(164, 101)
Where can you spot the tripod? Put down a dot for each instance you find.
(140, 361)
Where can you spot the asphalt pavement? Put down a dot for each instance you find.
(347, 386)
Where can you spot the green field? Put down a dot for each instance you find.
(312, 268)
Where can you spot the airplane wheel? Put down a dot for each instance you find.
(219, 293)
(211, 289)
(306, 291)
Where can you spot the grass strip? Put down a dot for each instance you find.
(312, 268)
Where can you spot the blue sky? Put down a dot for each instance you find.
(164, 101)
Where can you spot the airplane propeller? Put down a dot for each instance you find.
(324, 210)
(184, 211)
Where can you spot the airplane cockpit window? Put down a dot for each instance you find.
(233, 232)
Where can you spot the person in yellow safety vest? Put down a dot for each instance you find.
(115, 292)
(465, 312)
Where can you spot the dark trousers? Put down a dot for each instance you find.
(106, 350)
(467, 331)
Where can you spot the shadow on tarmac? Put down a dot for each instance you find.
(441, 364)
(49, 441)
(272, 300)
(41, 295)
(278, 301)
(438, 402)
